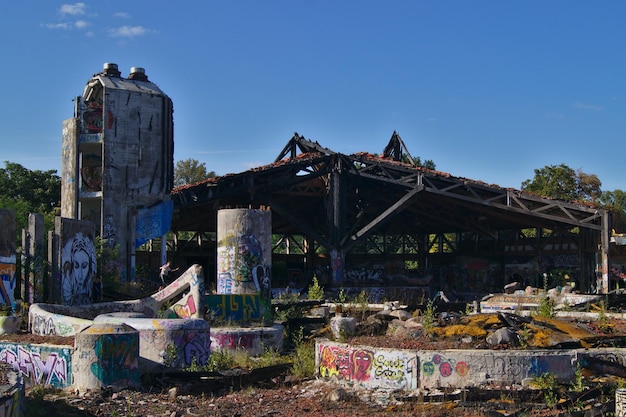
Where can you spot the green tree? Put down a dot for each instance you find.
(615, 201)
(190, 171)
(29, 191)
(563, 183)
(428, 163)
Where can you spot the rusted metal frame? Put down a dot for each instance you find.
(393, 209)
(307, 230)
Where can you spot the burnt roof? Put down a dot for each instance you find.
(337, 198)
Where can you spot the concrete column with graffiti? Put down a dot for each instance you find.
(244, 252)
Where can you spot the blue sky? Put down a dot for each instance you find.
(489, 90)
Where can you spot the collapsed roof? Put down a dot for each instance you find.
(337, 199)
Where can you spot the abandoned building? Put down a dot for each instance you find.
(351, 221)
(382, 222)
(118, 160)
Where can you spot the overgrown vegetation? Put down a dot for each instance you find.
(548, 383)
(315, 291)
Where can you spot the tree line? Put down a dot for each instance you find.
(35, 191)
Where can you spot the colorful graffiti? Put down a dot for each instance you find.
(363, 365)
(39, 364)
(7, 281)
(445, 367)
(238, 307)
(241, 267)
(192, 348)
(117, 359)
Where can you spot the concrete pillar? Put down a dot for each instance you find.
(36, 251)
(342, 327)
(244, 251)
(106, 355)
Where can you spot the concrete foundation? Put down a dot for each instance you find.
(107, 355)
(254, 340)
(166, 343)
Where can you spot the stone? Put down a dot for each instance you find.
(503, 336)
(401, 314)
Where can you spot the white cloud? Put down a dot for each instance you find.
(81, 24)
(583, 106)
(122, 15)
(128, 31)
(56, 25)
(73, 9)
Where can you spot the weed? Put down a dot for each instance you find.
(220, 360)
(362, 302)
(548, 383)
(578, 385)
(170, 357)
(315, 291)
(429, 320)
(546, 308)
(524, 336)
(303, 358)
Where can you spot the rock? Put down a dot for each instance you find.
(401, 314)
(172, 393)
(511, 288)
(338, 394)
(503, 336)
(413, 323)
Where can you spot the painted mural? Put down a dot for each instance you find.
(7, 258)
(367, 366)
(117, 359)
(78, 264)
(38, 364)
(237, 307)
(240, 266)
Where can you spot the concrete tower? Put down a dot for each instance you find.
(118, 160)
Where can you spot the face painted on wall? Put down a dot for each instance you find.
(81, 266)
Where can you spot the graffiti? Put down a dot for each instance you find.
(117, 359)
(186, 310)
(192, 348)
(91, 173)
(42, 325)
(233, 341)
(337, 266)
(445, 367)
(362, 365)
(241, 268)
(239, 307)
(51, 369)
(78, 267)
(389, 368)
(109, 231)
(7, 283)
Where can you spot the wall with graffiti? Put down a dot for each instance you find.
(39, 364)
(460, 368)
(237, 307)
(77, 261)
(7, 258)
(407, 370)
(367, 366)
